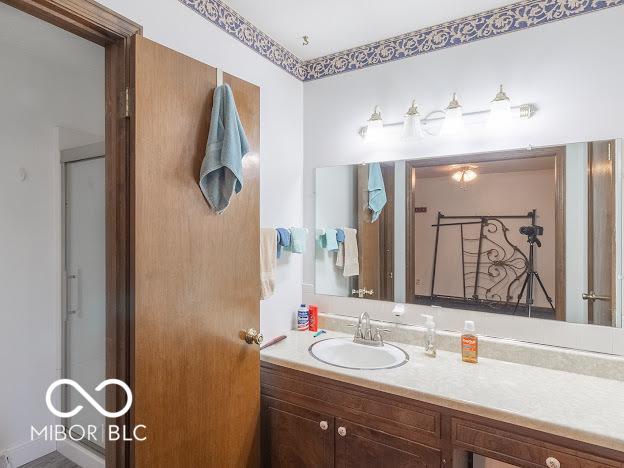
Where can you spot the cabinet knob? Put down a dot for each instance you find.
(342, 431)
(324, 425)
(552, 462)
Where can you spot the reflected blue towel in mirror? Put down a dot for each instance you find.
(340, 235)
(283, 240)
(221, 171)
(329, 240)
(376, 190)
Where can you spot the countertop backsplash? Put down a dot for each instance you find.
(548, 357)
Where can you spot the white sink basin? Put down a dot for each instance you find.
(343, 352)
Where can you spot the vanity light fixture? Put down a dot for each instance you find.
(454, 119)
(375, 125)
(412, 129)
(500, 110)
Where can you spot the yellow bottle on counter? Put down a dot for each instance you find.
(469, 343)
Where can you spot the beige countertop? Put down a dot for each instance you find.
(580, 407)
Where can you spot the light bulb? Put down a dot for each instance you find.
(465, 174)
(469, 175)
(500, 111)
(412, 129)
(454, 119)
(374, 127)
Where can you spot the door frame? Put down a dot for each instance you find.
(100, 25)
(558, 152)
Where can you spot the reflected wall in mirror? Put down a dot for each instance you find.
(522, 232)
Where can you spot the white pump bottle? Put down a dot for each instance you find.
(430, 335)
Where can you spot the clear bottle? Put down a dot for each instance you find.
(430, 335)
(469, 343)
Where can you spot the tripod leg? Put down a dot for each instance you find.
(539, 280)
(524, 285)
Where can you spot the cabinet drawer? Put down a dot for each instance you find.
(520, 450)
(359, 446)
(393, 416)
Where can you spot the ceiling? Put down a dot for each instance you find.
(490, 167)
(333, 25)
(45, 42)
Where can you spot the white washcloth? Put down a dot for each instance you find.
(268, 261)
(340, 255)
(351, 262)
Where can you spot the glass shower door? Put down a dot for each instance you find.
(85, 298)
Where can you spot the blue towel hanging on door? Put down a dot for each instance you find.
(221, 173)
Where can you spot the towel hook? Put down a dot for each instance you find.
(219, 77)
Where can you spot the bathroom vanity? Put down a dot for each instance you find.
(433, 413)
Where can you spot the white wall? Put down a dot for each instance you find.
(281, 130)
(567, 68)
(576, 235)
(336, 206)
(40, 90)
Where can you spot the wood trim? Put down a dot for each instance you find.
(98, 24)
(386, 237)
(560, 234)
(85, 18)
(410, 287)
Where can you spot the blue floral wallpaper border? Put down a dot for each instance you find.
(521, 15)
(235, 25)
(515, 17)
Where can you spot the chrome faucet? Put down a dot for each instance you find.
(364, 333)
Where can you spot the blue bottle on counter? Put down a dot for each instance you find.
(303, 318)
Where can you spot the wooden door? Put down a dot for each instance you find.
(601, 235)
(296, 437)
(360, 447)
(196, 274)
(376, 240)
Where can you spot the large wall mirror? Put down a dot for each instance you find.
(533, 233)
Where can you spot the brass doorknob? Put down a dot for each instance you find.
(592, 296)
(253, 336)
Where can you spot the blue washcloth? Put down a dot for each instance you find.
(221, 171)
(329, 240)
(340, 235)
(376, 190)
(297, 240)
(283, 240)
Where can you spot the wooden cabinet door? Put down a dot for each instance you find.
(296, 437)
(360, 447)
(196, 274)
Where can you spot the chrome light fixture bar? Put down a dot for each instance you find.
(452, 119)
